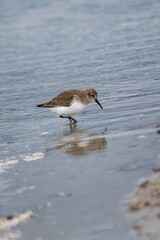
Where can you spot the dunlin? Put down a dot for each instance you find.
(71, 102)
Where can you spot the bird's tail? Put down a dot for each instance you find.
(39, 105)
(43, 105)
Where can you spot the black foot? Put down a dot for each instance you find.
(72, 126)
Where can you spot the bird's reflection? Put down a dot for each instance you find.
(80, 142)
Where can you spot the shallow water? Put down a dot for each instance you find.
(75, 179)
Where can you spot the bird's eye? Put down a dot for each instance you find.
(93, 96)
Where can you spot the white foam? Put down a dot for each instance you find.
(17, 219)
(32, 157)
(6, 163)
(23, 189)
(44, 133)
(143, 136)
(3, 144)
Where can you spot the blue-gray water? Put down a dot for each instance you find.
(85, 173)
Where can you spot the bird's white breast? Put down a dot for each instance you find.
(76, 107)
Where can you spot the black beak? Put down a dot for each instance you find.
(98, 103)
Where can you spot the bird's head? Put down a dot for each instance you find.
(92, 96)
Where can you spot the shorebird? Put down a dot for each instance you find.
(71, 102)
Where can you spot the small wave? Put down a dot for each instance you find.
(32, 157)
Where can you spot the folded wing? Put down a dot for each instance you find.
(63, 99)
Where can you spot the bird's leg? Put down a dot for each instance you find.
(65, 117)
(70, 118)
